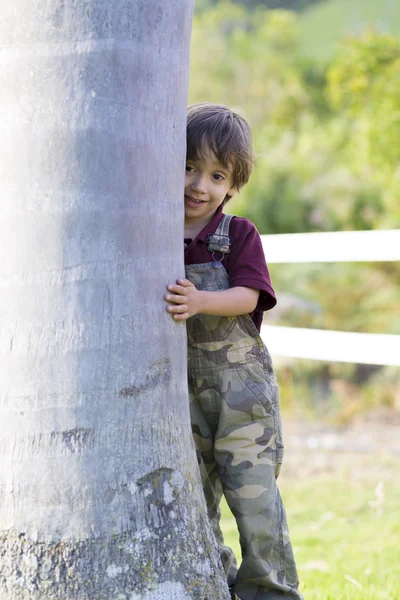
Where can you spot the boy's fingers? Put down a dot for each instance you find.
(180, 309)
(182, 317)
(175, 299)
(184, 282)
(178, 289)
(177, 309)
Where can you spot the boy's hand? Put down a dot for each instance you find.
(184, 300)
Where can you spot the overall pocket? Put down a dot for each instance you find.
(209, 328)
(263, 387)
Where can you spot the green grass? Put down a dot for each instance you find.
(346, 536)
(323, 25)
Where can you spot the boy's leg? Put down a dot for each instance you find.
(248, 449)
(204, 427)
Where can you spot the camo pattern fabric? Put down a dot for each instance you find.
(234, 404)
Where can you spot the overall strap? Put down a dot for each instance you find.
(220, 240)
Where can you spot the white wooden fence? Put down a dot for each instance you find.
(341, 346)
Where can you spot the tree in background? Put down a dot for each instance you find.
(100, 495)
(364, 84)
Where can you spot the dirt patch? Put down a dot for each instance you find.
(367, 447)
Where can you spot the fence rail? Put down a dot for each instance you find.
(317, 344)
(340, 246)
(337, 346)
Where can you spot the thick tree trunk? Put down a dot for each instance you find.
(99, 489)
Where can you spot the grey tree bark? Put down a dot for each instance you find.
(100, 495)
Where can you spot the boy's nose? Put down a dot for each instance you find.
(199, 184)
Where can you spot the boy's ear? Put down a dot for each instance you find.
(232, 191)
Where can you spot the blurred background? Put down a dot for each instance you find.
(319, 82)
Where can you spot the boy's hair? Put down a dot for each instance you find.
(217, 128)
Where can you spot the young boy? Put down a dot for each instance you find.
(233, 390)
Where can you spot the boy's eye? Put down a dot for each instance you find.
(189, 169)
(218, 177)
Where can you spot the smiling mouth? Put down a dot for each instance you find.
(194, 200)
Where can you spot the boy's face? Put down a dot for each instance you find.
(207, 183)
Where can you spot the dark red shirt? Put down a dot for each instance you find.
(245, 263)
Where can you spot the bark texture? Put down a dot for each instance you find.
(99, 488)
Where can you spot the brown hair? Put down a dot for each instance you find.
(217, 128)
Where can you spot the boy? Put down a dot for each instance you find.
(233, 391)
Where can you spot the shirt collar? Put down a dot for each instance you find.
(211, 226)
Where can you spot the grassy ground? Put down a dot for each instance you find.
(324, 24)
(345, 526)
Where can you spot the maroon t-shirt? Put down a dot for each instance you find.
(245, 263)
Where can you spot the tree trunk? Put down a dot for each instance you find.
(100, 496)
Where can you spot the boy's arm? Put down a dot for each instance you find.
(185, 301)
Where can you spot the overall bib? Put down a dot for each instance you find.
(234, 405)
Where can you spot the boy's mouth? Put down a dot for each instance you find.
(190, 200)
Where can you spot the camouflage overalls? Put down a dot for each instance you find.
(237, 431)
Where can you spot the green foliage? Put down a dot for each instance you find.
(256, 66)
(302, 184)
(361, 297)
(325, 25)
(364, 84)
